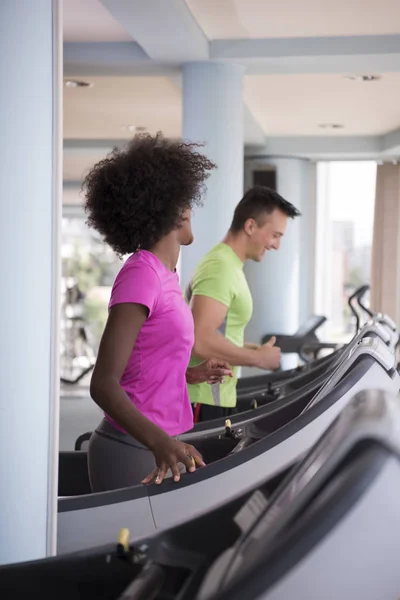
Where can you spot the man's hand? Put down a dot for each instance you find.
(269, 356)
(210, 371)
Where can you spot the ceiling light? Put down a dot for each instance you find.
(73, 83)
(330, 126)
(134, 128)
(363, 77)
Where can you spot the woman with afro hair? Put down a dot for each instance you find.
(140, 200)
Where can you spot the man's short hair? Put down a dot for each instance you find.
(259, 201)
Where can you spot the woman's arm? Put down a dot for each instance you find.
(119, 338)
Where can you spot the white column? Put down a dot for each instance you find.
(213, 114)
(282, 284)
(30, 196)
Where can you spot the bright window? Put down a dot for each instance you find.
(344, 229)
(89, 268)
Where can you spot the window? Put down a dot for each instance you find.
(89, 268)
(344, 229)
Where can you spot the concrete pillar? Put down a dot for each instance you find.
(213, 114)
(30, 199)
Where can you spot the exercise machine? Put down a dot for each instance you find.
(257, 449)
(262, 393)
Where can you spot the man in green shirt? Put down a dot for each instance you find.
(221, 301)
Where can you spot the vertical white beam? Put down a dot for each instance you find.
(213, 114)
(30, 201)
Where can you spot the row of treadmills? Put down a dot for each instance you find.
(300, 498)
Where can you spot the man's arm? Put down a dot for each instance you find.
(208, 315)
(251, 346)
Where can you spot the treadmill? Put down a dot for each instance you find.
(327, 528)
(257, 450)
(262, 395)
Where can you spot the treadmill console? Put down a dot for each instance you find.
(370, 415)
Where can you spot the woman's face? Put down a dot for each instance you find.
(185, 234)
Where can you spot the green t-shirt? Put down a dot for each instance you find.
(220, 276)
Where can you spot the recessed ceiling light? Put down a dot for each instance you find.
(331, 126)
(363, 77)
(74, 83)
(134, 128)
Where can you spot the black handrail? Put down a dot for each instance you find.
(358, 293)
(361, 304)
(77, 379)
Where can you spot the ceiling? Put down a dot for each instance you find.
(291, 84)
(282, 104)
(296, 104)
(238, 19)
(89, 21)
(104, 110)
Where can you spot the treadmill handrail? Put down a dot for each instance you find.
(383, 318)
(361, 304)
(315, 347)
(354, 296)
(373, 346)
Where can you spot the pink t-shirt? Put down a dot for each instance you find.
(155, 376)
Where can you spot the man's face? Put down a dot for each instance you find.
(185, 234)
(266, 235)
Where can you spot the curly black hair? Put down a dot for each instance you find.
(137, 195)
